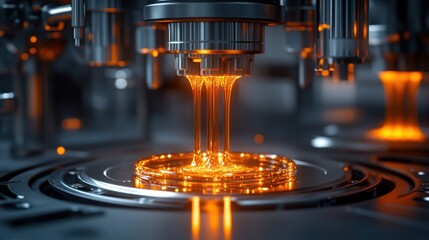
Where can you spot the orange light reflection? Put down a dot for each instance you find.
(211, 225)
(71, 124)
(61, 150)
(195, 218)
(227, 218)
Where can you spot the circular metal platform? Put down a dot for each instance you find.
(318, 183)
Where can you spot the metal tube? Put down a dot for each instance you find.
(78, 21)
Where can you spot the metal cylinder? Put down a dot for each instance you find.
(268, 11)
(341, 34)
(107, 32)
(78, 21)
(407, 30)
(108, 42)
(214, 37)
(217, 47)
(150, 41)
(299, 27)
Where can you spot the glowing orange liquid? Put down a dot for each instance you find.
(212, 158)
(400, 123)
(214, 171)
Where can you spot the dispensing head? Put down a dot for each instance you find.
(341, 36)
(214, 37)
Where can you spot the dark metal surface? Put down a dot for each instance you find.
(387, 199)
(187, 10)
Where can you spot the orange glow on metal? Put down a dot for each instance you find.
(144, 50)
(306, 53)
(58, 27)
(33, 39)
(341, 115)
(196, 60)
(155, 53)
(227, 218)
(61, 150)
(1, 33)
(323, 26)
(351, 71)
(354, 29)
(114, 48)
(195, 218)
(325, 73)
(203, 51)
(212, 209)
(400, 123)
(71, 123)
(212, 224)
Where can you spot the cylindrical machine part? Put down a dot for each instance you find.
(150, 41)
(78, 21)
(214, 37)
(219, 48)
(52, 13)
(407, 30)
(299, 27)
(341, 34)
(107, 33)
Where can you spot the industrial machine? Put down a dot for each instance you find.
(203, 119)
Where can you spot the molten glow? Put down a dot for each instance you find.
(214, 159)
(212, 170)
(61, 150)
(400, 123)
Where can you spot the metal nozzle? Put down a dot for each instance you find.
(78, 21)
(341, 34)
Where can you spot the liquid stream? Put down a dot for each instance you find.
(214, 170)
